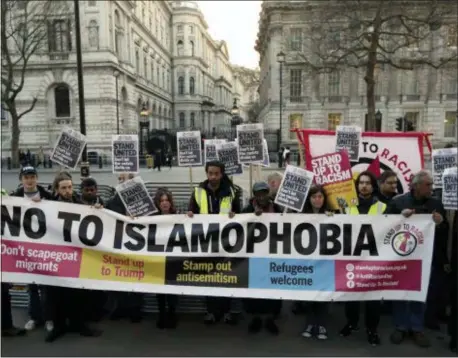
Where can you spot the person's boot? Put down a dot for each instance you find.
(255, 325)
(13, 332)
(172, 320)
(271, 326)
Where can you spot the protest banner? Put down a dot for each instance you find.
(333, 172)
(250, 139)
(228, 154)
(210, 149)
(345, 258)
(401, 153)
(68, 148)
(348, 138)
(189, 149)
(450, 188)
(442, 159)
(294, 187)
(125, 153)
(135, 197)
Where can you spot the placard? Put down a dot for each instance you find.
(250, 140)
(210, 149)
(189, 149)
(135, 197)
(333, 172)
(125, 154)
(68, 148)
(450, 189)
(294, 188)
(349, 138)
(228, 154)
(442, 159)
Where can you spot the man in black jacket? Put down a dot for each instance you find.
(216, 195)
(128, 304)
(30, 190)
(419, 200)
(64, 303)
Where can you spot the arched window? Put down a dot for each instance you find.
(62, 101)
(180, 48)
(191, 44)
(193, 120)
(182, 120)
(192, 85)
(181, 85)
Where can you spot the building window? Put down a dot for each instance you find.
(182, 123)
(191, 44)
(3, 114)
(152, 70)
(333, 84)
(191, 29)
(118, 34)
(193, 120)
(295, 87)
(450, 128)
(410, 83)
(451, 82)
(179, 28)
(157, 74)
(145, 66)
(59, 37)
(295, 41)
(334, 40)
(62, 101)
(192, 85)
(137, 60)
(180, 48)
(334, 120)
(92, 3)
(163, 78)
(412, 120)
(181, 85)
(452, 36)
(295, 122)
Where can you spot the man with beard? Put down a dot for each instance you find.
(89, 195)
(388, 184)
(216, 195)
(64, 303)
(368, 204)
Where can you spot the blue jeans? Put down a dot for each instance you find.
(35, 309)
(409, 315)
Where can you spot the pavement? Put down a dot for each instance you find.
(193, 339)
(9, 178)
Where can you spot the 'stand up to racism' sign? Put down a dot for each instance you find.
(68, 149)
(294, 256)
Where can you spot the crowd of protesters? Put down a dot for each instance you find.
(61, 310)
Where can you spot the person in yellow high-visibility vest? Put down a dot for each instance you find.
(366, 187)
(216, 195)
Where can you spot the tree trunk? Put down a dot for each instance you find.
(370, 97)
(15, 133)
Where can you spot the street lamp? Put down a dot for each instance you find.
(85, 172)
(143, 124)
(116, 74)
(281, 60)
(236, 119)
(378, 121)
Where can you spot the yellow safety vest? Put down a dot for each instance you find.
(376, 209)
(225, 206)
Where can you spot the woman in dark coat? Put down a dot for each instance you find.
(167, 303)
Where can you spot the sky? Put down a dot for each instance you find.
(235, 22)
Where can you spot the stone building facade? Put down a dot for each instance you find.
(426, 96)
(150, 56)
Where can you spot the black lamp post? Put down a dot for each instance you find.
(143, 124)
(85, 172)
(235, 120)
(378, 121)
(116, 74)
(281, 61)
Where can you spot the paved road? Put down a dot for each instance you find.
(175, 175)
(193, 339)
